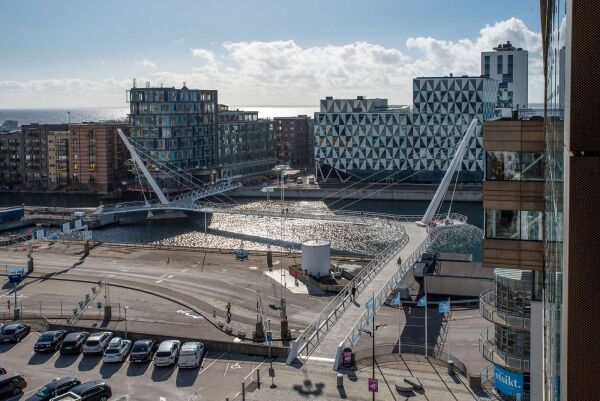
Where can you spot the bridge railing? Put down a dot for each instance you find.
(318, 328)
(363, 322)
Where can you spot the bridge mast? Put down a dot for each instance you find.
(454, 164)
(161, 196)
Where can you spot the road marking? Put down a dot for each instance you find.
(252, 371)
(227, 367)
(252, 267)
(159, 281)
(189, 313)
(210, 364)
(236, 366)
(184, 270)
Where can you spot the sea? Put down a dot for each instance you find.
(95, 114)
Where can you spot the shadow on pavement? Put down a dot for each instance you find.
(162, 374)
(186, 377)
(308, 389)
(137, 369)
(39, 358)
(109, 369)
(64, 361)
(7, 347)
(89, 362)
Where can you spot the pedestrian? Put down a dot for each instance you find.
(168, 260)
(353, 293)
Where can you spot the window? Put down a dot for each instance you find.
(502, 166)
(514, 224)
(486, 66)
(499, 64)
(532, 166)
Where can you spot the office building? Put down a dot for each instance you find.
(246, 144)
(510, 67)
(572, 278)
(178, 126)
(10, 160)
(513, 202)
(367, 138)
(295, 141)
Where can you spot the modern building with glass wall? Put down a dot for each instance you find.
(178, 126)
(572, 244)
(367, 138)
(509, 66)
(513, 202)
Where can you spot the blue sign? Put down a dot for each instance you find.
(15, 275)
(507, 382)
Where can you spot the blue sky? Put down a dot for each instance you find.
(53, 50)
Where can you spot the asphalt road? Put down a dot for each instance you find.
(214, 279)
(220, 375)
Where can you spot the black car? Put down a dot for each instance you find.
(143, 351)
(97, 390)
(49, 341)
(55, 388)
(14, 332)
(11, 384)
(73, 342)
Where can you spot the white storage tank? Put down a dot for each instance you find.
(316, 257)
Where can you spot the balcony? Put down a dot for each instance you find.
(488, 349)
(487, 309)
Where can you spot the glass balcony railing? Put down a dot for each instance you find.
(488, 310)
(489, 350)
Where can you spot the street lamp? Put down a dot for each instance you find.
(125, 310)
(372, 334)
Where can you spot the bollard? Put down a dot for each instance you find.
(243, 391)
(451, 367)
(258, 378)
(340, 380)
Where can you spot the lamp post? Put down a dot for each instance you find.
(372, 334)
(125, 310)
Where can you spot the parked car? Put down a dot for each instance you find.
(97, 390)
(11, 384)
(96, 343)
(143, 351)
(49, 341)
(55, 388)
(3, 371)
(73, 342)
(167, 352)
(117, 350)
(299, 180)
(190, 354)
(14, 332)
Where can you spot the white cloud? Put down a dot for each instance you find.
(284, 72)
(146, 63)
(206, 55)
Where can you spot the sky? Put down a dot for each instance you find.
(74, 53)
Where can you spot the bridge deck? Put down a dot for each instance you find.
(327, 348)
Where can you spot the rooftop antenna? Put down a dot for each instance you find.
(147, 84)
(133, 83)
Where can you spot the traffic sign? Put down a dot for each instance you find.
(373, 385)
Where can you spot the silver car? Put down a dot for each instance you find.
(117, 350)
(190, 355)
(167, 353)
(97, 342)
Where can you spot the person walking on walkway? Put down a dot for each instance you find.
(353, 293)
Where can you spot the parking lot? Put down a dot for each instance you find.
(220, 375)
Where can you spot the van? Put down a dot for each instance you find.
(191, 355)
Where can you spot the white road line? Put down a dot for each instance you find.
(212, 363)
(226, 368)
(252, 371)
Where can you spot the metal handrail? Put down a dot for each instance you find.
(487, 309)
(489, 350)
(316, 330)
(355, 333)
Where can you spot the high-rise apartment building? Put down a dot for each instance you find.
(510, 67)
(11, 145)
(34, 154)
(178, 126)
(367, 138)
(295, 141)
(246, 143)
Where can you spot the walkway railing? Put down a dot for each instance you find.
(487, 309)
(355, 333)
(306, 343)
(489, 350)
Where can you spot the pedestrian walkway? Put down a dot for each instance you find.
(327, 348)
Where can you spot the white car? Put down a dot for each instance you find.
(190, 355)
(167, 353)
(97, 342)
(117, 350)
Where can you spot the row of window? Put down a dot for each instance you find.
(514, 224)
(515, 166)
